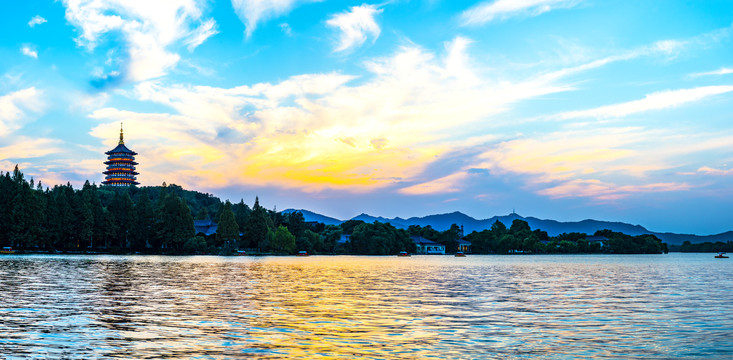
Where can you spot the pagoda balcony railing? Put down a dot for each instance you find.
(121, 169)
(120, 174)
(120, 163)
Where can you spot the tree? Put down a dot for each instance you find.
(519, 225)
(241, 213)
(175, 222)
(448, 238)
(122, 210)
(195, 245)
(228, 230)
(498, 229)
(380, 239)
(283, 241)
(143, 234)
(255, 231)
(202, 214)
(348, 226)
(330, 237)
(22, 220)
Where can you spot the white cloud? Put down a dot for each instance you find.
(655, 101)
(355, 26)
(285, 28)
(22, 147)
(252, 12)
(600, 190)
(201, 34)
(446, 184)
(14, 109)
(721, 71)
(148, 30)
(36, 20)
(28, 51)
(488, 11)
(319, 131)
(712, 171)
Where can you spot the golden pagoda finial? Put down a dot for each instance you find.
(121, 140)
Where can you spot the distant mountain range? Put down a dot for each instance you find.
(442, 222)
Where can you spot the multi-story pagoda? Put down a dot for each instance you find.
(120, 165)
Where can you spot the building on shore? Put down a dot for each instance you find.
(427, 247)
(120, 165)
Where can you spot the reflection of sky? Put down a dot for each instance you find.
(560, 109)
(384, 307)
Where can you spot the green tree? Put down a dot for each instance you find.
(241, 213)
(498, 229)
(195, 245)
(228, 230)
(380, 239)
(330, 237)
(203, 214)
(518, 226)
(23, 220)
(122, 210)
(176, 222)
(349, 225)
(143, 234)
(256, 227)
(283, 241)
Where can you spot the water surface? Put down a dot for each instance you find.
(554, 306)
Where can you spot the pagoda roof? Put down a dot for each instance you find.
(121, 148)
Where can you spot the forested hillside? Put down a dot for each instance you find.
(160, 219)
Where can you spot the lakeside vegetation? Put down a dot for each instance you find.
(160, 220)
(705, 247)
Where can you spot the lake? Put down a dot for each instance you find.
(207, 307)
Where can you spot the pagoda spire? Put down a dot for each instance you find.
(122, 141)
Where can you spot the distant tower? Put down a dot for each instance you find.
(120, 165)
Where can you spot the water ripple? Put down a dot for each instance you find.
(554, 307)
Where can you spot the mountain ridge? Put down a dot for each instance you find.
(442, 222)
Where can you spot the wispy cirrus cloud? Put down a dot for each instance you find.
(355, 26)
(36, 20)
(488, 11)
(712, 171)
(147, 29)
(655, 101)
(601, 190)
(253, 12)
(446, 184)
(201, 34)
(721, 71)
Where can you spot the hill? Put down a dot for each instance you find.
(442, 222)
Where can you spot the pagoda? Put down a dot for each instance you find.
(120, 165)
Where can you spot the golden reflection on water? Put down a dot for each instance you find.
(365, 307)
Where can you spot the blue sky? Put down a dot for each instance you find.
(562, 109)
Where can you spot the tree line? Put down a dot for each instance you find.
(160, 219)
(704, 247)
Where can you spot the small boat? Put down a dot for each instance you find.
(460, 254)
(403, 253)
(721, 256)
(7, 250)
(241, 253)
(302, 253)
